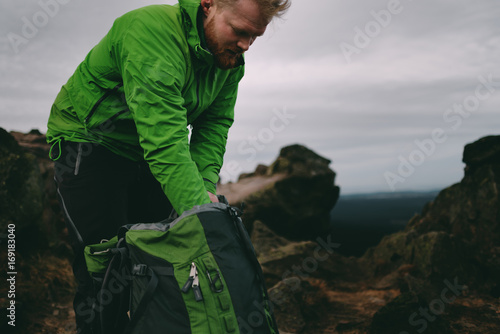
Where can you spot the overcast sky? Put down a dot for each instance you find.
(390, 91)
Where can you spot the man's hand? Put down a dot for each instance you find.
(213, 197)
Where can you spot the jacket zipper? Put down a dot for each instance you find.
(115, 116)
(98, 103)
(197, 96)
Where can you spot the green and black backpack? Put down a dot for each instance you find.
(195, 274)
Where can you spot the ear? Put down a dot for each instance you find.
(206, 5)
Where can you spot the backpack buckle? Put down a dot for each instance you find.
(235, 212)
(139, 270)
(213, 282)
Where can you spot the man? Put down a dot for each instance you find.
(119, 126)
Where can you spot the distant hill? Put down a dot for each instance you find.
(359, 221)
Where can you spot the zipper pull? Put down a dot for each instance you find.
(191, 278)
(196, 287)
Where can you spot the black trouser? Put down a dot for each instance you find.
(100, 191)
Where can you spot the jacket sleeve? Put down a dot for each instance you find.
(210, 129)
(153, 70)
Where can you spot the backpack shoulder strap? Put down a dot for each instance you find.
(114, 302)
(153, 272)
(235, 213)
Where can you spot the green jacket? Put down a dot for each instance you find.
(140, 87)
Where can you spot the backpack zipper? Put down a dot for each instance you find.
(193, 282)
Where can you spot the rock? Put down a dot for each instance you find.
(482, 152)
(437, 309)
(281, 258)
(454, 242)
(21, 193)
(298, 260)
(38, 215)
(264, 240)
(259, 171)
(293, 196)
(451, 249)
(28, 200)
(34, 142)
(457, 236)
(303, 307)
(287, 302)
(298, 160)
(408, 313)
(433, 255)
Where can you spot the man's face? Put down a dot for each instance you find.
(230, 31)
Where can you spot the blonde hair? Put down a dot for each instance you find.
(268, 8)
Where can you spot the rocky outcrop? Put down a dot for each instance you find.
(439, 275)
(451, 251)
(313, 288)
(44, 280)
(293, 196)
(458, 234)
(27, 192)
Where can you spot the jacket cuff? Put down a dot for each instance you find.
(210, 186)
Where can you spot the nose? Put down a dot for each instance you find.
(244, 43)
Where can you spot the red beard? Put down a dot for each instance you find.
(225, 58)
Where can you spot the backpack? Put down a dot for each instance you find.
(197, 273)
